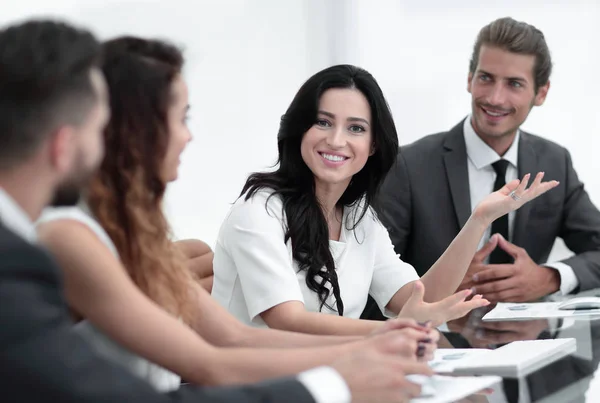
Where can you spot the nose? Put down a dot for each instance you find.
(496, 95)
(336, 138)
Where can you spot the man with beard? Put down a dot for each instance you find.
(53, 108)
(439, 179)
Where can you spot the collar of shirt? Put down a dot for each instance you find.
(15, 218)
(482, 155)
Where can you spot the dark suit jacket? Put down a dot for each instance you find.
(426, 201)
(42, 360)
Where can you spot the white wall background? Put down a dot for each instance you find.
(246, 59)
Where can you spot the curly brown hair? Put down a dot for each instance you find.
(126, 194)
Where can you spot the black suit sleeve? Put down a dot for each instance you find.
(580, 230)
(395, 205)
(43, 360)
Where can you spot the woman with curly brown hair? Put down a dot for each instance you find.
(128, 284)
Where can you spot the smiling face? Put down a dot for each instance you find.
(339, 143)
(503, 92)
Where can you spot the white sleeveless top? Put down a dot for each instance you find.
(160, 378)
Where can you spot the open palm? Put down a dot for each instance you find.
(500, 202)
(449, 308)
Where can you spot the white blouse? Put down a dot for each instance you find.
(254, 269)
(160, 378)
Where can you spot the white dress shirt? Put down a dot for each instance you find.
(15, 218)
(481, 183)
(324, 383)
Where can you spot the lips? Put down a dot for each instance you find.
(494, 113)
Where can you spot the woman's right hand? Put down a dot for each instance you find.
(423, 334)
(449, 308)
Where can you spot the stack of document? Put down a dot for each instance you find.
(513, 360)
(534, 310)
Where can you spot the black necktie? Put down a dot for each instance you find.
(500, 226)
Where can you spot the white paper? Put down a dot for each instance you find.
(533, 310)
(449, 388)
(445, 359)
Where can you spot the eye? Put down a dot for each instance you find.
(484, 77)
(356, 129)
(515, 84)
(323, 123)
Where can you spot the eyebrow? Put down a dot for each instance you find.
(520, 79)
(350, 119)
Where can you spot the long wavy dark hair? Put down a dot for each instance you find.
(127, 192)
(294, 182)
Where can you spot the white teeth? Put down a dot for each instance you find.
(496, 114)
(334, 158)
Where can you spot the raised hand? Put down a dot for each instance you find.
(511, 197)
(449, 308)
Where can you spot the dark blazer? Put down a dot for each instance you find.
(42, 360)
(426, 201)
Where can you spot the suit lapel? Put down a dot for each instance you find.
(528, 164)
(455, 161)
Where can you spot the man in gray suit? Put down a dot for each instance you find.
(439, 179)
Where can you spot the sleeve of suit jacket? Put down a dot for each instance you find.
(395, 207)
(42, 360)
(580, 230)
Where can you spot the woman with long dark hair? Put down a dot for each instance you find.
(305, 238)
(127, 284)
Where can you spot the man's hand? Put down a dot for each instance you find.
(378, 374)
(521, 281)
(477, 264)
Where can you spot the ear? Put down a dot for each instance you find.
(469, 81)
(63, 146)
(540, 97)
(372, 151)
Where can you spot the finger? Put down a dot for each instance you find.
(486, 249)
(510, 186)
(418, 292)
(492, 287)
(465, 307)
(543, 188)
(512, 295)
(400, 323)
(523, 185)
(509, 247)
(412, 334)
(434, 335)
(538, 187)
(398, 343)
(452, 300)
(495, 272)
